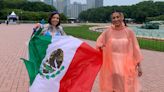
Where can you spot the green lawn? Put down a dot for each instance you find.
(83, 32)
(151, 44)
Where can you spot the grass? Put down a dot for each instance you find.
(83, 32)
(155, 45)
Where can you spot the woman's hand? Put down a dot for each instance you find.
(38, 25)
(139, 70)
(100, 47)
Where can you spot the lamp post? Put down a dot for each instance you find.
(21, 16)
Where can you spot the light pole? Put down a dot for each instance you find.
(21, 16)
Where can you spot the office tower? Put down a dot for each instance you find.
(90, 4)
(94, 3)
(84, 7)
(35, 0)
(49, 2)
(98, 3)
(61, 5)
(74, 10)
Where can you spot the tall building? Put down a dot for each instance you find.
(94, 3)
(49, 2)
(74, 10)
(84, 7)
(90, 4)
(61, 5)
(99, 3)
(35, 0)
(67, 3)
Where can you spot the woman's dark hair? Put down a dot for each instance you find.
(121, 13)
(50, 17)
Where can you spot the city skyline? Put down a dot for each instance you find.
(73, 9)
(116, 2)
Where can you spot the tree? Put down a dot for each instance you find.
(140, 12)
(26, 10)
(26, 5)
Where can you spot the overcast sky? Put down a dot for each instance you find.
(117, 2)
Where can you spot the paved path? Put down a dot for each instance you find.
(14, 78)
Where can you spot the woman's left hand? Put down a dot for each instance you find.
(139, 71)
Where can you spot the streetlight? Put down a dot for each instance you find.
(21, 16)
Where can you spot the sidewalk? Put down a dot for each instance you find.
(14, 78)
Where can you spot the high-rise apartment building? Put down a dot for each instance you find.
(74, 10)
(84, 7)
(61, 5)
(90, 4)
(98, 3)
(49, 2)
(67, 2)
(94, 3)
(35, 0)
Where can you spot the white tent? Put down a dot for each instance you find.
(12, 18)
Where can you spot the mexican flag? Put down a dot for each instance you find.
(61, 64)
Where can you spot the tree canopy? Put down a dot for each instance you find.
(26, 10)
(141, 12)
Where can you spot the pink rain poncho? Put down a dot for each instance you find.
(121, 54)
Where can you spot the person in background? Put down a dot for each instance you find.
(121, 57)
(7, 22)
(42, 22)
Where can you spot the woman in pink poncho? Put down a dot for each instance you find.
(121, 57)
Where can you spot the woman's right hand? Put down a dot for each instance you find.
(38, 25)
